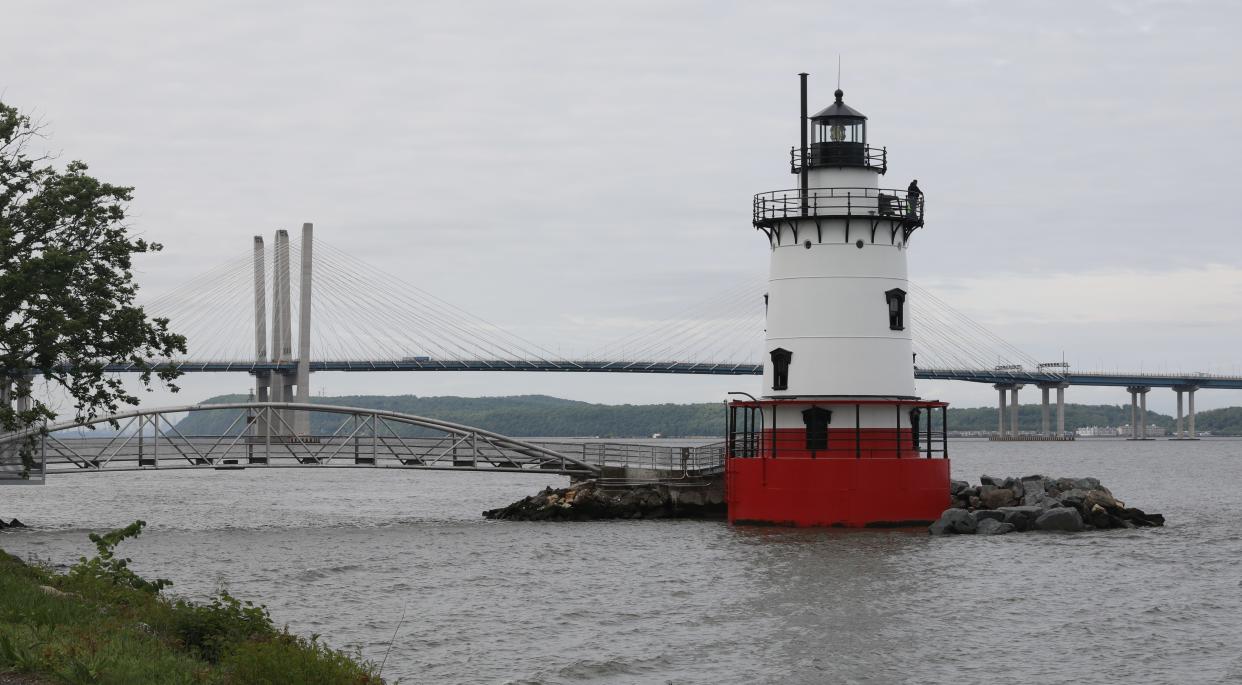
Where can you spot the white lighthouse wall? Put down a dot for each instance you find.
(842, 177)
(843, 418)
(827, 305)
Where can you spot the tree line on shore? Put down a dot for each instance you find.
(544, 416)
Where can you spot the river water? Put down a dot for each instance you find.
(344, 552)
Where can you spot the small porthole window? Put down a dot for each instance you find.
(896, 299)
(807, 244)
(859, 243)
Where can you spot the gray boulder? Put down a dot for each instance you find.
(1101, 498)
(1065, 484)
(1060, 518)
(992, 480)
(957, 487)
(985, 514)
(1015, 485)
(1087, 484)
(1032, 490)
(954, 521)
(1021, 518)
(991, 526)
(998, 497)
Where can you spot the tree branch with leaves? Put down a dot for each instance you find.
(67, 291)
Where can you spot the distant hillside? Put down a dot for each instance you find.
(519, 416)
(540, 415)
(1226, 421)
(1076, 415)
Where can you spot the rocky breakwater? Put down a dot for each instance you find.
(1004, 505)
(12, 524)
(589, 500)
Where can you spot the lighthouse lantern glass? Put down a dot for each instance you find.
(839, 130)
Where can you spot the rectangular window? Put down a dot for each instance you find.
(816, 421)
(896, 299)
(780, 368)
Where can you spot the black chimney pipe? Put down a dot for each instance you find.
(802, 172)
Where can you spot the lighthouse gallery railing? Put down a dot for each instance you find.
(781, 205)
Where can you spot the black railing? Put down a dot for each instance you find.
(925, 436)
(782, 205)
(840, 154)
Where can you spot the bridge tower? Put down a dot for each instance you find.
(839, 437)
(280, 385)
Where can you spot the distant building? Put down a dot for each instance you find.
(1098, 432)
(1153, 431)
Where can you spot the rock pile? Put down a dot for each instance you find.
(1002, 505)
(14, 524)
(586, 501)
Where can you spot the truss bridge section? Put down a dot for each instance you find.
(263, 435)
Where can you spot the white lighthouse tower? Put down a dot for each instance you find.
(839, 437)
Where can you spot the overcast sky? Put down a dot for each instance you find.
(553, 165)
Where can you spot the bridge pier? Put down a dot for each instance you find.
(1014, 409)
(1183, 420)
(1178, 432)
(1138, 411)
(1007, 410)
(1000, 413)
(1044, 418)
(1061, 408)
(1193, 435)
(1045, 409)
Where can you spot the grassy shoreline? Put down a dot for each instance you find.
(102, 623)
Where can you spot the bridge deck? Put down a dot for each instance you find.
(1118, 379)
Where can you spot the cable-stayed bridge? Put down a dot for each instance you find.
(368, 320)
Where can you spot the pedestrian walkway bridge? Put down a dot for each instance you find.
(262, 435)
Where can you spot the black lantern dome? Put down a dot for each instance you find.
(839, 136)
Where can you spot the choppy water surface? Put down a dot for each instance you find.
(342, 552)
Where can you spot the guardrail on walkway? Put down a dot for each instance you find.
(688, 460)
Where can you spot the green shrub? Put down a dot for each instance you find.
(210, 630)
(107, 568)
(291, 659)
(107, 625)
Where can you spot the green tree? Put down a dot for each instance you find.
(66, 288)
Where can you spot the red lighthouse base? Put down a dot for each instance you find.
(837, 492)
(844, 476)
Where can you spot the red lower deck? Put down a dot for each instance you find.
(836, 492)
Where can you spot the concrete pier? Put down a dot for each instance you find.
(1138, 411)
(1014, 408)
(1007, 414)
(1000, 414)
(1044, 418)
(1061, 408)
(1191, 433)
(1185, 423)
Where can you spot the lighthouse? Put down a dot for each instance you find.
(837, 437)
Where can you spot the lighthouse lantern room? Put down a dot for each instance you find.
(839, 437)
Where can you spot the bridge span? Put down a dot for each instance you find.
(972, 375)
